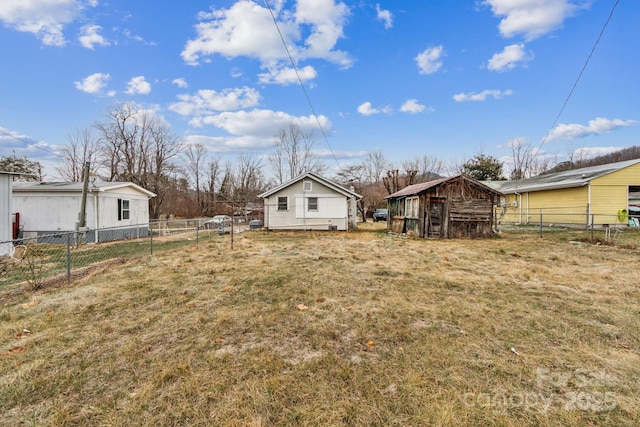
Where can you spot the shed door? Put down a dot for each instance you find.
(435, 217)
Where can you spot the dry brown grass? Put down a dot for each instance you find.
(334, 328)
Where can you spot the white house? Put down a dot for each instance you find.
(114, 210)
(310, 202)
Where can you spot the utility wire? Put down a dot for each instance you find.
(575, 84)
(295, 68)
(24, 141)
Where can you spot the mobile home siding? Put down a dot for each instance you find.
(5, 214)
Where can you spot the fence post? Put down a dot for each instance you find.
(540, 222)
(151, 237)
(68, 258)
(592, 221)
(197, 234)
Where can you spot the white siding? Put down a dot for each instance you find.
(58, 211)
(5, 214)
(332, 209)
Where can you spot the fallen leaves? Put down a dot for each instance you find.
(15, 350)
(22, 334)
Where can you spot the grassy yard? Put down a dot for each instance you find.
(331, 328)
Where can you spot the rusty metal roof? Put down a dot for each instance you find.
(414, 189)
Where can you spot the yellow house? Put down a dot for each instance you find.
(592, 195)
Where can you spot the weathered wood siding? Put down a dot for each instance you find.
(456, 208)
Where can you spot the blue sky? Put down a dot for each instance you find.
(409, 78)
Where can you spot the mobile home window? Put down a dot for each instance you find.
(283, 203)
(313, 203)
(124, 211)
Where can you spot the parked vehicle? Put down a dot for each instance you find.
(380, 215)
(218, 221)
(255, 224)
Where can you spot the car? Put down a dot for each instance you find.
(255, 224)
(380, 215)
(218, 222)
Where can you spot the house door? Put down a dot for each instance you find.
(435, 217)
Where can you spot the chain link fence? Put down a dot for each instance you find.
(621, 228)
(57, 258)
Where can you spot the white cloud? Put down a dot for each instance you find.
(366, 109)
(429, 61)
(180, 82)
(260, 123)
(208, 101)
(412, 106)
(247, 29)
(509, 58)
(596, 126)
(531, 18)
(43, 18)
(286, 76)
(89, 37)
(94, 84)
(223, 144)
(385, 16)
(482, 96)
(138, 86)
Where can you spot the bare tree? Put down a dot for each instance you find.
(375, 165)
(293, 154)
(212, 181)
(422, 169)
(82, 147)
(248, 178)
(526, 160)
(138, 147)
(196, 156)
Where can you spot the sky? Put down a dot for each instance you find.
(410, 78)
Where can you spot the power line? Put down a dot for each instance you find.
(575, 84)
(295, 68)
(24, 141)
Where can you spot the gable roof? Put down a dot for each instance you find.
(565, 179)
(415, 189)
(76, 187)
(310, 175)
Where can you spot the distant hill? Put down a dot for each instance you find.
(628, 153)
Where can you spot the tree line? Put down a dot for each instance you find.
(136, 145)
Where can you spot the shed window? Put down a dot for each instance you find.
(313, 204)
(123, 209)
(411, 207)
(283, 203)
(306, 186)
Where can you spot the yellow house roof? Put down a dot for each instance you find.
(565, 179)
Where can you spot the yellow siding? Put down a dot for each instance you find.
(610, 193)
(562, 206)
(605, 196)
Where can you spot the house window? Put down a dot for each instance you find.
(283, 203)
(313, 204)
(411, 207)
(124, 211)
(306, 186)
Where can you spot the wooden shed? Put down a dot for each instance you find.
(444, 208)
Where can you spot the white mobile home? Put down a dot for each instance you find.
(6, 233)
(310, 202)
(49, 208)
